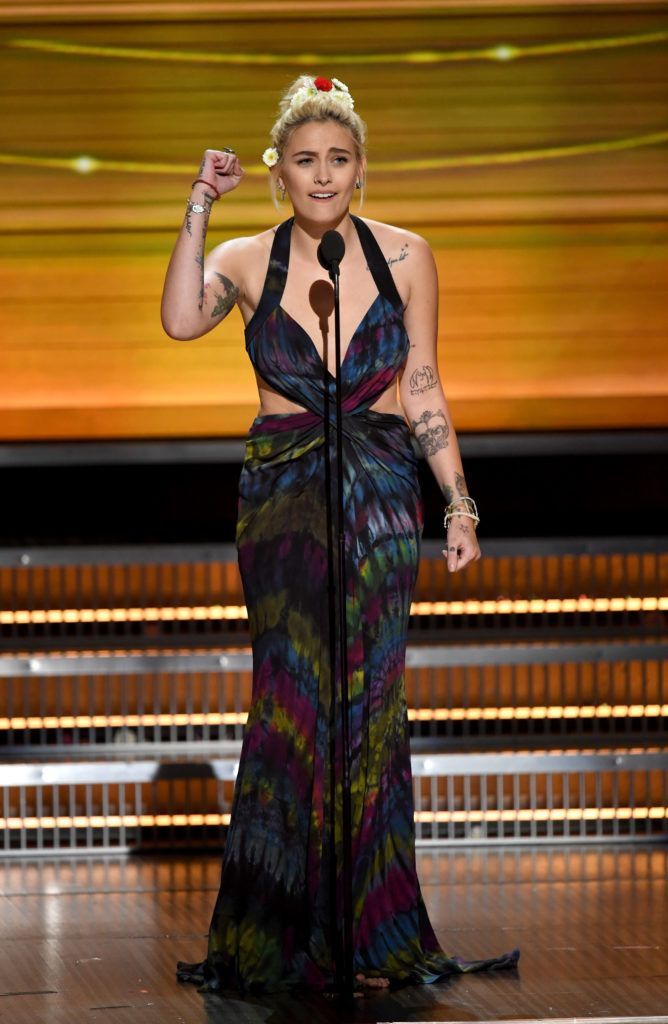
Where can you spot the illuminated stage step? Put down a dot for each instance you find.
(535, 684)
(166, 594)
(484, 696)
(508, 796)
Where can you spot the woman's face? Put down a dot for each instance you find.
(319, 170)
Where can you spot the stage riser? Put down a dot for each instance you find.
(531, 718)
(194, 595)
(515, 703)
(578, 798)
(73, 577)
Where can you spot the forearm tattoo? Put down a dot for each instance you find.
(199, 255)
(460, 484)
(224, 303)
(431, 430)
(422, 380)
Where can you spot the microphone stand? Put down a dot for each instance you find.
(345, 971)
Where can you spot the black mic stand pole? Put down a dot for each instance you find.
(347, 981)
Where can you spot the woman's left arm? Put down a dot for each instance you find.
(425, 405)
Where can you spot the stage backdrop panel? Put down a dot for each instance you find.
(528, 147)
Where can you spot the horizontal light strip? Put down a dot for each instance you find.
(499, 52)
(115, 721)
(115, 821)
(166, 614)
(553, 712)
(573, 711)
(546, 814)
(231, 612)
(86, 164)
(473, 816)
(540, 606)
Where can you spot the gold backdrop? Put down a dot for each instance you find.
(527, 144)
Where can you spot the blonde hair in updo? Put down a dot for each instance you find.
(320, 107)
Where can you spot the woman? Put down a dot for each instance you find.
(274, 923)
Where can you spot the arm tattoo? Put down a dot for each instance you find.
(225, 302)
(403, 255)
(461, 484)
(448, 493)
(431, 430)
(422, 380)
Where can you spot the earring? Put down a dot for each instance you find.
(358, 184)
(281, 191)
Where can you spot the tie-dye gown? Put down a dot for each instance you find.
(280, 900)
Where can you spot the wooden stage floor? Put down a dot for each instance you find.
(96, 938)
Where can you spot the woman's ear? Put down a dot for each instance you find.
(361, 179)
(361, 170)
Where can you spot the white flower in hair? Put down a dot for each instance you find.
(270, 156)
(342, 93)
(306, 92)
(344, 98)
(331, 87)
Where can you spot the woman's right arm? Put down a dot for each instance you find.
(199, 293)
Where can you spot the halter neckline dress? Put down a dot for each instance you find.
(274, 924)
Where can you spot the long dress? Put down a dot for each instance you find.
(280, 901)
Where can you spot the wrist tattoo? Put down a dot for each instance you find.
(422, 380)
(461, 485)
(431, 431)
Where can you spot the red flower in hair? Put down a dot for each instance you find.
(323, 84)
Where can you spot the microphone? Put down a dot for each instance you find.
(331, 251)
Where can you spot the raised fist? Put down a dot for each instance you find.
(221, 169)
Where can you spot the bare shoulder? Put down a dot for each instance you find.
(388, 235)
(241, 251)
(408, 255)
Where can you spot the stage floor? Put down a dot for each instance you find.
(96, 938)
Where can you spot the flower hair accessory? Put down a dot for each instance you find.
(336, 90)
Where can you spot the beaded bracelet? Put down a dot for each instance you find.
(450, 511)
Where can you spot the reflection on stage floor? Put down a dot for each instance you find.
(96, 938)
